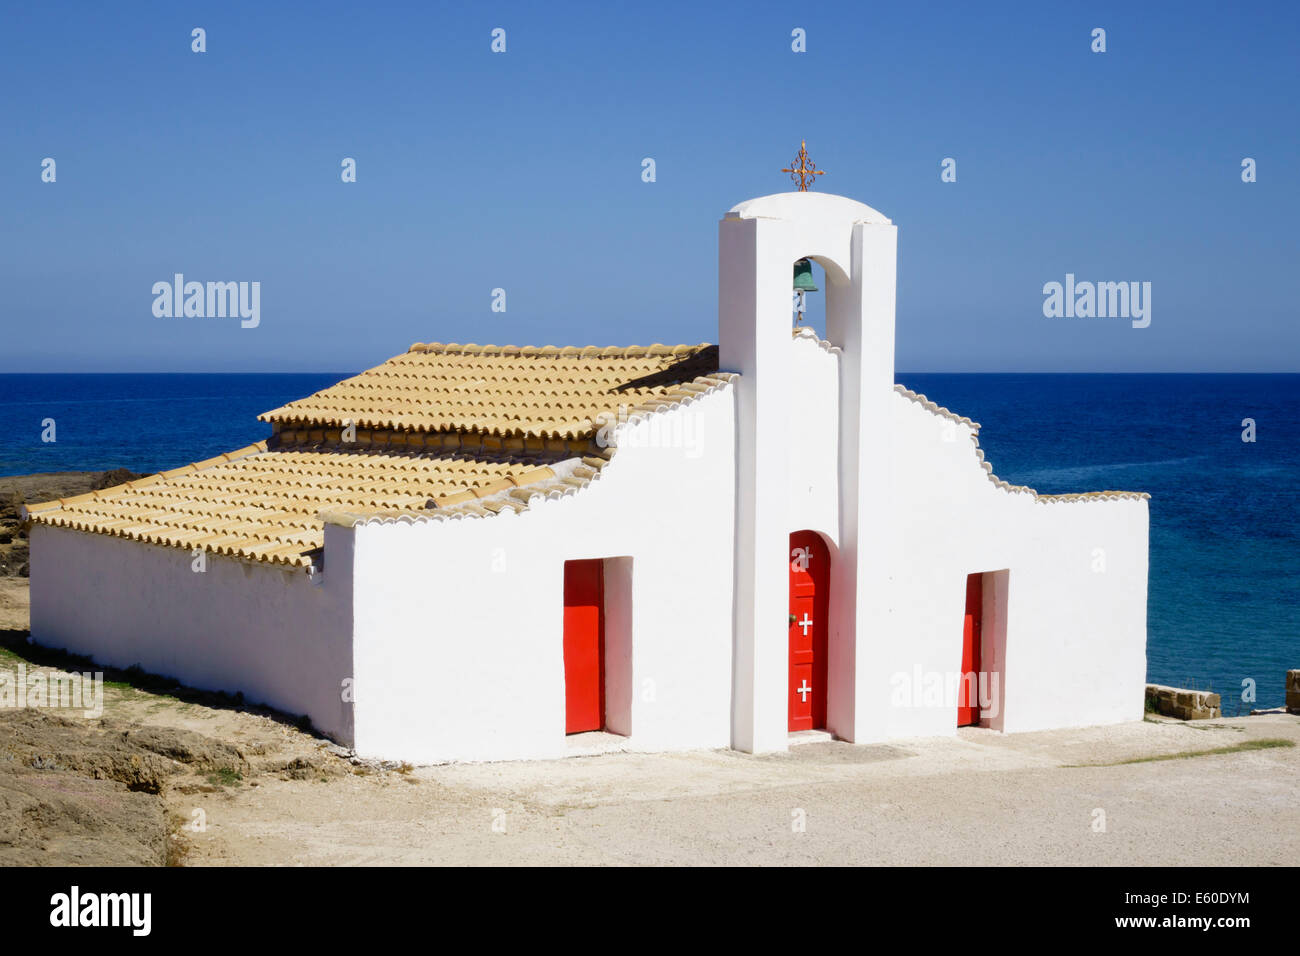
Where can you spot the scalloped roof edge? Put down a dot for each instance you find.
(563, 483)
(940, 411)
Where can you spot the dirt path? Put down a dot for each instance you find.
(975, 798)
(15, 604)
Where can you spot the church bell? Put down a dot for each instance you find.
(803, 277)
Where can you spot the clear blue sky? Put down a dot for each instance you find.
(523, 171)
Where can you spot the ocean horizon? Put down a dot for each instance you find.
(1224, 599)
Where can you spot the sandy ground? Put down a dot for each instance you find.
(14, 604)
(978, 798)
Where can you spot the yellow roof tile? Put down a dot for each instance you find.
(525, 391)
(443, 431)
(266, 505)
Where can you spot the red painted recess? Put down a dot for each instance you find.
(584, 646)
(810, 567)
(968, 709)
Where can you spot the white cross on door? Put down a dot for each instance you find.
(803, 691)
(806, 623)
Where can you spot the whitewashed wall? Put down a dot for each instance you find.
(459, 623)
(901, 496)
(1075, 644)
(813, 444)
(1075, 636)
(272, 633)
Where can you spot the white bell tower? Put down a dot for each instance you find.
(758, 244)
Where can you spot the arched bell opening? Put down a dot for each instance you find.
(815, 281)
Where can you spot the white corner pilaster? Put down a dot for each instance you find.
(754, 339)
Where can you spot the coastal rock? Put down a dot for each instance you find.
(14, 558)
(65, 818)
(89, 793)
(117, 476)
(17, 490)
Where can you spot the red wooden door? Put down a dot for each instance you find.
(584, 646)
(968, 708)
(809, 604)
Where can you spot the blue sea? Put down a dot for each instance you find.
(1225, 514)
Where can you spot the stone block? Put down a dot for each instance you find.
(1183, 704)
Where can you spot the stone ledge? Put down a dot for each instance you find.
(1183, 704)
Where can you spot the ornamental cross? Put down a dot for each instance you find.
(804, 170)
(803, 691)
(806, 623)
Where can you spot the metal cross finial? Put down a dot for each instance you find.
(804, 170)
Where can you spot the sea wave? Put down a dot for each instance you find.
(1081, 472)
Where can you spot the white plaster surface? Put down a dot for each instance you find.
(459, 624)
(904, 499)
(268, 632)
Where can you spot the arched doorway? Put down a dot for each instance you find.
(810, 579)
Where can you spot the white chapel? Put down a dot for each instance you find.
(479, 552)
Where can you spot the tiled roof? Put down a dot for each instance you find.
(508, 390)
(265, 504)
(559, 482)
(442, 431)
